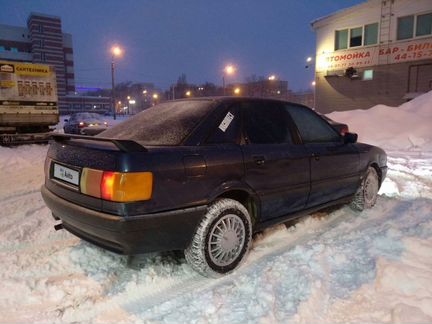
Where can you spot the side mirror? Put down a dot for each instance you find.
(350, 138)
(66, 120)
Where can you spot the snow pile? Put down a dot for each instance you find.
(407, 127)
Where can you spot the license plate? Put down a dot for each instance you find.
(66, 174)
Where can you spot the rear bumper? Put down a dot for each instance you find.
(164, 231)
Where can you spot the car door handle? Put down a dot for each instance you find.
(259, 160)
(316, 156)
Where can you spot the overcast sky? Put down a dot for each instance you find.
(164, 38)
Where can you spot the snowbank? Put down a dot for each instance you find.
(407, 127)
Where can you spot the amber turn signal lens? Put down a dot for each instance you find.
(126, 187)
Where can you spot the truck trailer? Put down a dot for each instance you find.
(28, 102)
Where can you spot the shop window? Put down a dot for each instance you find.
(341, 39)
(405, 27)
(2, 48)
(424, 25)
(367, 75)
(356, 35)
(14, 50)
(371, 34)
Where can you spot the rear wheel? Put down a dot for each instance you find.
(367, 194)
(221, 240)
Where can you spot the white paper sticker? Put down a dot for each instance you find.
(226, 122)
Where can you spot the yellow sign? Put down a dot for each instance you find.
(32, 69)
(7, 84)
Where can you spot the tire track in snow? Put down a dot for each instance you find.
(18, 195)
(262, 250)
(197, 283)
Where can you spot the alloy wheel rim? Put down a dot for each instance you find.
(226, 240)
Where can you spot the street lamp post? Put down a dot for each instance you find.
(228, 70)
(115, 51)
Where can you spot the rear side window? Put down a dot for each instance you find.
(227, 130)
(266, 123)
(165, 124)
(312, 128)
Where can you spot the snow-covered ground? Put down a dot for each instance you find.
(339, 266)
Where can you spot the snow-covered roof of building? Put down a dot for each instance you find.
(320, 21)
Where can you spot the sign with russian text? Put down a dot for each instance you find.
(26, 85)
(32, 69)
(368, 56)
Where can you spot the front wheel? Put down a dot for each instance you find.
(367, 194)
(221, 240)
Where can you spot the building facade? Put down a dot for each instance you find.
(265, 88)
(378, 52)
(305, 98)
(43, 41)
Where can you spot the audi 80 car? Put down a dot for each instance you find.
(202, 175)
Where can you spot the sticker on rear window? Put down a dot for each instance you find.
(226, 122)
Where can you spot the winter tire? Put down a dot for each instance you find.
(222, 239)
(367, 194)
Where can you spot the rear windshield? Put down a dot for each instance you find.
(165, 124)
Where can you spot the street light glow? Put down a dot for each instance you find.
(237, 91)
(116, 51)
(132, 102)
(313, 83)
(229, 69)
(188, 93)
(144, 91)
(309, 59)
(272, 77)
(155, 96)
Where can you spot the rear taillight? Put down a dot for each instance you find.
(81, 124)
(107, 186)
(90, 182)
(117, 186)
(344, 130)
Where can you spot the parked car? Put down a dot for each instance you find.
(202, 175)
(340, 127)
(85, 123)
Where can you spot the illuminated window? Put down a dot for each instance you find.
(356, 36)
(424, 25)
(341, 40)
(368, 75)
(371, 34)
(405, 27)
